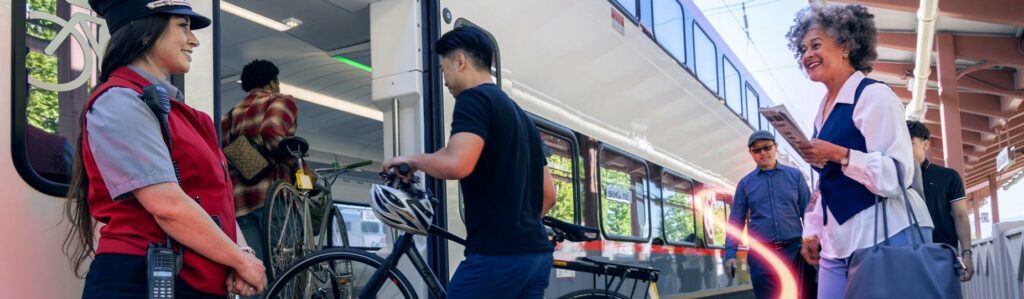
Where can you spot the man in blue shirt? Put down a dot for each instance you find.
(775, 196)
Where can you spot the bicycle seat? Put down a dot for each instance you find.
(573, 233)
(292, 146)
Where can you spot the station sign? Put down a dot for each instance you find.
(1005, 158)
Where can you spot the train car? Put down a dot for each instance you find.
(644, 108)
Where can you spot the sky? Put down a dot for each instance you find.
(766, 55)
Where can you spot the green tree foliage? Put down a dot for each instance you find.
(719, 222)
(560, 168)
(42, 108)
(42, 104)
(617, 214)
(42, 29)
(679, 217)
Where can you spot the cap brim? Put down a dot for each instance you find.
(751, 143)
(196, 20)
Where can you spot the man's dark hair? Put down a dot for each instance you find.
(258, 73)
(471, 40)
(918, 130)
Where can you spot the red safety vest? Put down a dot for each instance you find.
(129, 227)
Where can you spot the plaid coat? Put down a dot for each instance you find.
(267, 118)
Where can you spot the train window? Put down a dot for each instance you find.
(731, 88)
(646, 18)
(720, 211)
(561, 164)
(629, 6)
(668, 28)
(677, 209)
(52, 78)
(362, 226)
(705, 58)
(755, 101)
(624, 198)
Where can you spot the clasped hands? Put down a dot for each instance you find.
(248, 279)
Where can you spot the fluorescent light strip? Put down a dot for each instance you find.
(252, 16)
(353, 63)
(330, 102)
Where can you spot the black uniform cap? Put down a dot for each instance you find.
(121, 12)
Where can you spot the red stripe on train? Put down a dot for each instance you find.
(601, 245)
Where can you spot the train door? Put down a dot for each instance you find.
(357, 68)
(454, 213)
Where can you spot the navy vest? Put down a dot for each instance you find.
(840, 194)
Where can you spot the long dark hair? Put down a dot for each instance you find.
(126, 44)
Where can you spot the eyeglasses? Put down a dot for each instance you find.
(758, 150)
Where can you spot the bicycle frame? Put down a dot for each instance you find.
(405, 245)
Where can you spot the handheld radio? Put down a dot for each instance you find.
(160, 267)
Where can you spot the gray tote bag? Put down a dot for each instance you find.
(919, 270)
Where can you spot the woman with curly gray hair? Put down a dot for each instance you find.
(859, 131)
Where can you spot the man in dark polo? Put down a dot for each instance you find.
(944, 195)
(775, 196)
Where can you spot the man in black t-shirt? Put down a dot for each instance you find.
(944, 195)
(495, 152)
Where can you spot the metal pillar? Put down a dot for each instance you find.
(949, 107)
(993, 190)
(975, 202)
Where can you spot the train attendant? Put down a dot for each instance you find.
(775, 196)
(859, 131)
(147, 189)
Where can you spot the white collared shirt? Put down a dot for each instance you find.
(879, 116)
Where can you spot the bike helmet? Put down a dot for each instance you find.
(398, 209)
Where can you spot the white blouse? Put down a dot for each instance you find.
(879, 116)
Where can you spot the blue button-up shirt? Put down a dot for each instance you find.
(776, 200)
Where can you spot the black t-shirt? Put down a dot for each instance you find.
(505, 192)
(942, 187)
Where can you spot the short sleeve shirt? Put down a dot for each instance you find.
(126, 140)
(504, 194)
(942, 187)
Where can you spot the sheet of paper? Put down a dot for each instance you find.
(783, 122)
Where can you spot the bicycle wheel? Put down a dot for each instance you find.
(593, 294)
(285, 233)
(337, 273)
(338, 237)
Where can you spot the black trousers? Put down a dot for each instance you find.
(114, 276)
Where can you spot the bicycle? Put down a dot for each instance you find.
(356, 273)
(297, 220)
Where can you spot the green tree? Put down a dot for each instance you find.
(679, 217)
(617, 214)
(42, 109)
(565, 201)
(38, 28)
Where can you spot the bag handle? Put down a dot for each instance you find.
(911, 217)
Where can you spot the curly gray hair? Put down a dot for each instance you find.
(852, 26)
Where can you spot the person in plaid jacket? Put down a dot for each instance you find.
(266, 116)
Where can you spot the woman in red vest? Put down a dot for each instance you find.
(149, 168)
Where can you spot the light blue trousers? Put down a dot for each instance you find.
(832, 272)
